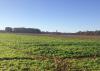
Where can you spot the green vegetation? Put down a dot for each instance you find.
(49, 53)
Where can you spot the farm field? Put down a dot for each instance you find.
(20, 52)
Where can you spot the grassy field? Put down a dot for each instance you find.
(20, 52)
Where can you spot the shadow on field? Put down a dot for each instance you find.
(16, 58)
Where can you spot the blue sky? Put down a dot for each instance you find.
(51, 15)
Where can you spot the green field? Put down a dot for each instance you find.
(19, 52)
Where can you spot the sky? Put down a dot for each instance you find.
(51, 15)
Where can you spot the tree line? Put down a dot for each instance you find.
(97, 32)
(27, 30)
(22, 30)
(35, 30)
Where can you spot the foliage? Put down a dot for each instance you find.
(49, 53)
